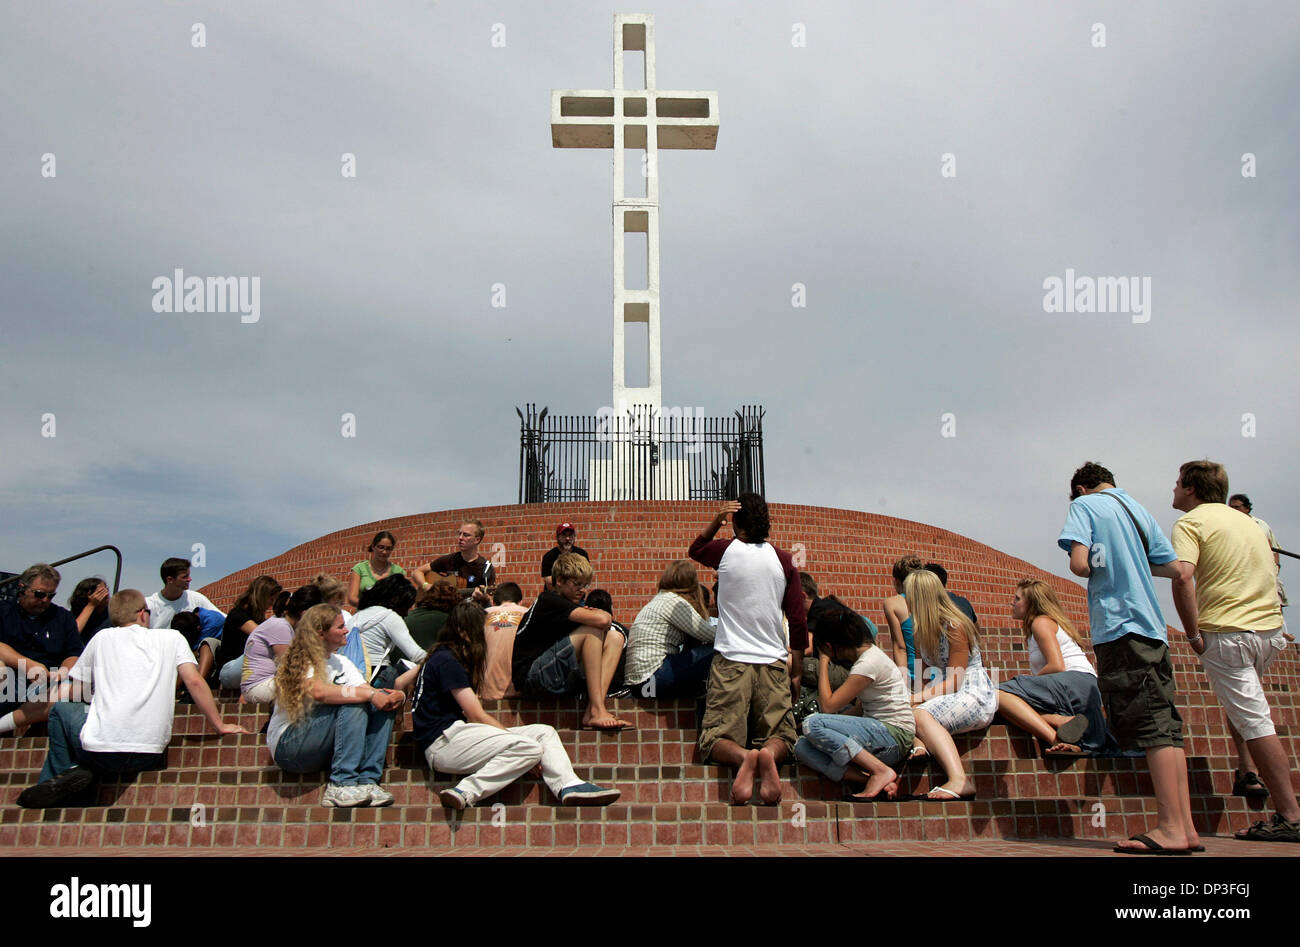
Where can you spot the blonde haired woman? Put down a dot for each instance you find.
(670, 646)
(958, 696)
(1059, 702)
(899, 620)
(327, 716)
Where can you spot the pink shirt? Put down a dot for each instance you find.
(259, 660)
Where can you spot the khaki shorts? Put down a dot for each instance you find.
(1137, 686)
(748, 704)
(1234, 661)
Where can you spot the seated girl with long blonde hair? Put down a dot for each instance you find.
(958, 696)
(327, 716)
(1059, 702)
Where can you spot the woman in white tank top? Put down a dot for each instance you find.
(1059, 703)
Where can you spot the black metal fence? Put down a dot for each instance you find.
(639, 454)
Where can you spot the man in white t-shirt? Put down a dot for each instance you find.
(175, 595)
(755, 669)
(126, 726)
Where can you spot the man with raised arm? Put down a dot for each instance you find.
(1117, 546)
(756, 669)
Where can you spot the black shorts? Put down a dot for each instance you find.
(1137, 687)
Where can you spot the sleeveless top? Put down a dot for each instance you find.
(906, 628)
(1075, 659)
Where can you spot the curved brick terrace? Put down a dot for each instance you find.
(849, 552)
(672, 804)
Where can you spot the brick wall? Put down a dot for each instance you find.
(849, 553)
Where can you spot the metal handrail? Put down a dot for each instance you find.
(117, 577)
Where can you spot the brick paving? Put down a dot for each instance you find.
(223, 795)
(1001, 848)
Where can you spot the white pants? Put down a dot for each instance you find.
(263, 692)
(495, 758)
(1234, 661)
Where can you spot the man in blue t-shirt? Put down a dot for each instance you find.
(1117, 546)
(39, 644)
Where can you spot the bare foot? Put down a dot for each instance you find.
(742, 789)
(878, 783)
(1062, 749)
(919, 752)
(769, 789)
(603, 720)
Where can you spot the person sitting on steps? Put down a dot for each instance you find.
(327, 716)
(563, 648)
(456, 735)
(857, 749)
(1058, 703)
(959, 697)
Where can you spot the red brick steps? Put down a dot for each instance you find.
(224, 793)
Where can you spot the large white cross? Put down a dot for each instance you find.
(641, 118)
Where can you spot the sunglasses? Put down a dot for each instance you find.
(40, 595)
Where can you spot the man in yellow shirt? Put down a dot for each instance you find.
(1230, 614)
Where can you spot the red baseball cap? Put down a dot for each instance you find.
(565, 526)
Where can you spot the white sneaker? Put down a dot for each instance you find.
(379, 796)
(345, 797)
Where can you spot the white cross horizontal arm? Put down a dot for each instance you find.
(585, 118)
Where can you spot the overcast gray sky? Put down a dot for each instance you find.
(925, 293)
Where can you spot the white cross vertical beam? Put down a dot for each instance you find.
(649, 119)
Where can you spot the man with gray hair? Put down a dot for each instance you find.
(39, 644)
(127, 724)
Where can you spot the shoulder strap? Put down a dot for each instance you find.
(1146, 547)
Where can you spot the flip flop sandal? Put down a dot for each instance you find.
(1152, 847)
(1072, 730)
(949, 796)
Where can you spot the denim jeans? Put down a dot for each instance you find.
(351, 739)
(681, 675)
(831, 740)
(231, 672)
(557, 672)
(65, 751)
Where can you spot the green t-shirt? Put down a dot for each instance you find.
(368, 579)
